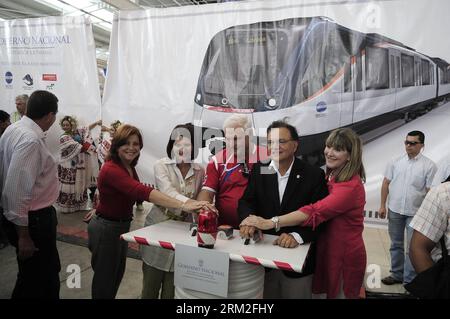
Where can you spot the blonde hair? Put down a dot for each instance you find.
(345, 139)
(72, 121)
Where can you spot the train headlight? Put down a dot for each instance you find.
(272, 102)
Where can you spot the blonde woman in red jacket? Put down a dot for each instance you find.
(341, 255)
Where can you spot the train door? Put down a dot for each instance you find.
(394, 74)
(348, 93)
(358, 86)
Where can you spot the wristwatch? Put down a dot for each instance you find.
(276, 221)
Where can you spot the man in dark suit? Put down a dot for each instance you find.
(281, 187)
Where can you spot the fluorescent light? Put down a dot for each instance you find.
(103, 14)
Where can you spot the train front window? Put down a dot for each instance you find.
(242, 67)
(323, 58)
(271, 65)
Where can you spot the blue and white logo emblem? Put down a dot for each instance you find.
(321, 107)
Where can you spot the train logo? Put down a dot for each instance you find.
(321, 107)
(288, 68)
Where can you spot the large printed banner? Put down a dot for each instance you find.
(318, 64)
(56, 54)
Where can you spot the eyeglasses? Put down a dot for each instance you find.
(280, 142)
(411, 143)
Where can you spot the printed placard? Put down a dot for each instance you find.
(202, 269)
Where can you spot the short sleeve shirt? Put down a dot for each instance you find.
(409, 180)
(433, 217)
(228, 180)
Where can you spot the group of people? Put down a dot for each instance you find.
(252, 188)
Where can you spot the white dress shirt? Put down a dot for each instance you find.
(282, 183)
(28, 171)
(409, 180)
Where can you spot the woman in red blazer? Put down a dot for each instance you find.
(341, 255)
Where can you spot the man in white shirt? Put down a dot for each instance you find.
(407, 180)
(4, 123)
(29, 187)
(281, 187)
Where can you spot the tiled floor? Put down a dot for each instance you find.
(376, 241)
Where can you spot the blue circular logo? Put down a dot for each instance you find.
(8, 77)
(321, 107)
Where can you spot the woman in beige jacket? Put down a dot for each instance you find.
(177, 177)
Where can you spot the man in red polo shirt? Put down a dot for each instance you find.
(227, 172)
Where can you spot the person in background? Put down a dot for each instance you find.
(21, 106)
(78, 169)
(278, 188)
(29, 188)
(177, 176)
(443, 172)
(227, 171)
(105, 140)
(406, 181)
(430, 224)
(119, 189)
(341, 255)
(4, 123)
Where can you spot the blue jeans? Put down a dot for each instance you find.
(401, 267)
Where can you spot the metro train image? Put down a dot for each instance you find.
(316, 74)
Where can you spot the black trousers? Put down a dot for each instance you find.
(38, 276)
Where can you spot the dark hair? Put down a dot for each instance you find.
(179, 131)
(419, 134)
(120, 138)
(283, 124)
(3, 116)
(40, 104)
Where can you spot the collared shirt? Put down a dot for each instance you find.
(228, 180)
(15, 116)
(170, 181)
(119, 191)
(442, 173)
(28, 171)
(432, 218)
(282, 179)
(409, 179)
(282, 183)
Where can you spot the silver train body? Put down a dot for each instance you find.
(317, 75)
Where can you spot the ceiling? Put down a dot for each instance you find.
(100, 12)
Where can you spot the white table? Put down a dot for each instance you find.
(246, 260)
